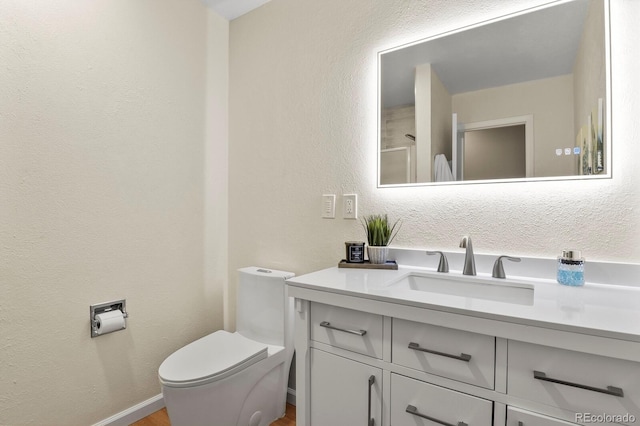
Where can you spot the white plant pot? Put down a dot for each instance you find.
(378, 254)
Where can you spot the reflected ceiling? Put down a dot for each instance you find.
(540, 45)
(231, 9)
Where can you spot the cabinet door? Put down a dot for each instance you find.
(344, 392)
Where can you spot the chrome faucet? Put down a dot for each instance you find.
(443, 266)
(498, 269)
(469, 262)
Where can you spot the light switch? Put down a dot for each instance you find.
(329, 206)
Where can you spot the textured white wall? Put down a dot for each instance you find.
(303, 122)
(441, 106)
(102, 140)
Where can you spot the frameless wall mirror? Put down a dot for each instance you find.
(522, 97)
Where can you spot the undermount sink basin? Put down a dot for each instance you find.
(468, 287)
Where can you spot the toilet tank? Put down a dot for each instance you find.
(263, 311)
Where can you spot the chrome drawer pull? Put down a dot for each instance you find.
(413, 410)
(461, 357)
(610, 390)
(327, 324)
(370, 420)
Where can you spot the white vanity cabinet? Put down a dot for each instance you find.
(363, 356)
(349, 355)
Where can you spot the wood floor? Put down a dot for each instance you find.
(160, 418)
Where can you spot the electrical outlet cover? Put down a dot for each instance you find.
(350, 206)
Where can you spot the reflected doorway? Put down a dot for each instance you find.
(497, 149)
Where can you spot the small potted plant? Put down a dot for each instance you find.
(380, 233)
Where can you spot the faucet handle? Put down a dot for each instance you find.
(498, 269)
(443, 266)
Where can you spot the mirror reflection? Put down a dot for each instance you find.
(525, 97)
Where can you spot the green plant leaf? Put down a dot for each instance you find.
(379, 231)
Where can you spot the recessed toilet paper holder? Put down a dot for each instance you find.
(101, 308)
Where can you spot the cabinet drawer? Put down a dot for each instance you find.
(356, 331)
(575, 381)
(417, 403)
(519, 417)
(459, 355)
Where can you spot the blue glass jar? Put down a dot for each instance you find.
(571, 268)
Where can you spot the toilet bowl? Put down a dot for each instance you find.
(240, 378)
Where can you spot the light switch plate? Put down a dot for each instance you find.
(329, 206)
(350, 206)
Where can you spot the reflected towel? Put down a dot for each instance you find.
(442, 171)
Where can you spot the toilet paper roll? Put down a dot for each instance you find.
(107, 322)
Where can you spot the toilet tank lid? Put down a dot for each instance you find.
(256, 270)
(211, 358)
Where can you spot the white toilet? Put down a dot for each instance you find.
(228, 379)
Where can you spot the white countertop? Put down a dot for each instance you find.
(598, 309)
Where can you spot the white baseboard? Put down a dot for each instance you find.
(151, 405)
(135, 413)
(291, 396)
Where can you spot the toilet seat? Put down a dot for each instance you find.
(209, 359)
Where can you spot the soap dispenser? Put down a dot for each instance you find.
(571, 268)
